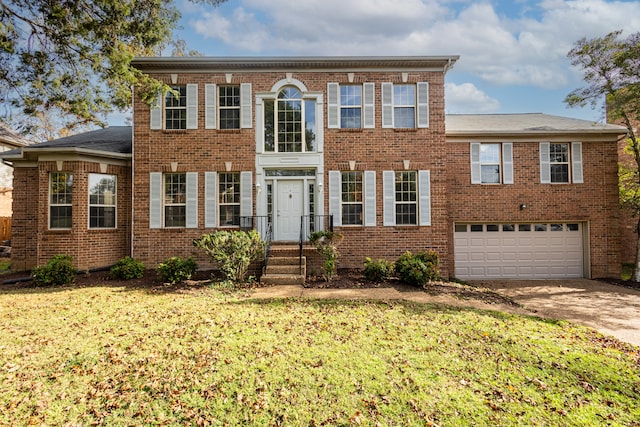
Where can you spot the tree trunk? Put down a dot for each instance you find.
(636, 269)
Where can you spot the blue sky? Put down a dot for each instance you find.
(512, 52)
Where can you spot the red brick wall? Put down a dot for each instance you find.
(594, 202)
(373, 149)
(34, 244)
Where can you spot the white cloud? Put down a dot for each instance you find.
(525, 48)
(466, 98)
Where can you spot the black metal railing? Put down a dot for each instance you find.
(310, 224)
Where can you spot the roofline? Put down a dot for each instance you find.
(307, 63)
(59, 150)
(537, 133)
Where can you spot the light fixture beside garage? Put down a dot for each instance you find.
(523, 206)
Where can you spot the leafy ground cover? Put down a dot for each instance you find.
(109, 353)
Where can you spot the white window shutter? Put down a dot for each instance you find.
(210, 103)
(424, 197)
(334, 197)
(246, 194)
(191, 208)
(388, 197)
(210, 207)
(155, 200)
(246, 118)
(476, 172)
(387, 105)
(369, 198)
(333, 105)
(192, 106)
(507, 163)
(156, 112)
(369, 107)
(423, 104)
(545, 170)
(576, 162)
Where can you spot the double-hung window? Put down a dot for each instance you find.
(102, 201)
(405, 106)
(60, 200)
(352, 197)
(350, 106)
(491, 163)
(229, 198)
(175, 199)
(177, 110)
(561, 162)
(228, 106)
(407, 197)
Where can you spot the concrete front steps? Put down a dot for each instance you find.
(283, 266)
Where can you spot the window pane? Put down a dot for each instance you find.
(102, 201)
(404, 94)
(352, 214)
(404, 117)
(174, 216)
(351, 196)
(460, 228)
(310, 125)
(572, 227)
(61, 217)
(540, 227)
(102, 217)
(524, 227)
(60, 200)
(229, 198)
(508, 227)
(350, 95)
(406, 214)
(490, 153)
(230, 119)
(176, 108)
(476, 227)
(269, 125)
(229, 215)
(175, 188)
(493, 227)
(559, 173)
(350, 118)
(490, 174)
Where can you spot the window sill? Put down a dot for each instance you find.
(103, 230)
(174, 131)
(58, 231)
(351, 130)
(228, 131)
(405, 129)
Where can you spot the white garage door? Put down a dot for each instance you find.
(518, 251)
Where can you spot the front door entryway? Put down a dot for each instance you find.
(289, 209)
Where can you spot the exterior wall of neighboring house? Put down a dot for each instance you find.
(34, 242)
(591, 203)
(377, 152)
(628, 222)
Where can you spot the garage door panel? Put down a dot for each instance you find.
(554, 252)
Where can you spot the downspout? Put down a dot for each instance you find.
(133, 197)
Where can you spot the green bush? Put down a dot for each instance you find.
(326, 243)
(58, 271)
(418, 269)
(233, 250)
(127, 268)
(379, 270)
(175, 269)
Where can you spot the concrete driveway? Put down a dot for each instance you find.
(612, 310)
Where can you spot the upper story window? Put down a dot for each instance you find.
(561, 162)
(102, 201)
(491, 163)
(290, 122)
(229, 97)
(177, 110)
(405, 106)
(228, 106)
(350, 106)
(60, 200)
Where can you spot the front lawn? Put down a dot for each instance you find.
(112, 355)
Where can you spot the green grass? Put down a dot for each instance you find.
(5, 265)
(120, 356)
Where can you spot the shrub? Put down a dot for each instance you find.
(379, 270)
(58, 271)
(175, 269)
(326, 243)
(233, 250)
(127, 268)
(418, 269)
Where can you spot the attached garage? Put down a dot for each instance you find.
(519, 251)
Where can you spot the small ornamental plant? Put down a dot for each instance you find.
(326, 243)
(378, 270)
(418, 269)
(175, 269)
(58, 271)
(232, 250)
(127, 268)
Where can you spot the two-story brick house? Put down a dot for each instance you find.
(362, 142)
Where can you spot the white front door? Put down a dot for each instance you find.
(289, 209)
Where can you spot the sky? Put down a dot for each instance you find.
(513, 53)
